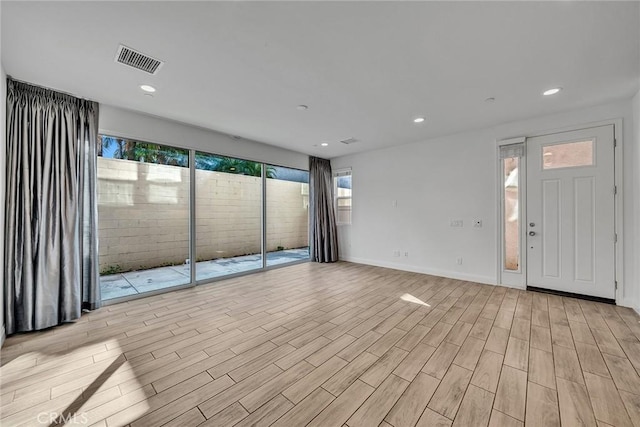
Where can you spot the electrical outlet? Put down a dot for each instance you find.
(456, 223)
(406, 254)
(396, 253)
(477, 223)
(459, 261)
(394, 203)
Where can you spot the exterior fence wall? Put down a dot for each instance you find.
(144, 215)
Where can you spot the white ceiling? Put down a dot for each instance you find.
(365, 69)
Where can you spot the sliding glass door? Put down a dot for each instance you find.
(228, 216)
(143, 211)
(287, 212)
(171, 217)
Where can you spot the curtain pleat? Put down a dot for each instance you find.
(323, 239)
(51, 216)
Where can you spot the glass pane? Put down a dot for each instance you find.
(228, 216)
(287, 215)
(511, 215)
(143, 208)
(343, 199)
(344, 215)
(567, 155)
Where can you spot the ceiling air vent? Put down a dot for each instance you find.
(349, 141)
(135, 59)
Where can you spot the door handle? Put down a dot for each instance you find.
(532, 233)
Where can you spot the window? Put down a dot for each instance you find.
(342, 196)
(143, 209)
(511, 215)
(511, 156)
(228, 215)
(173, 217)
(568, 155)
(287, 212)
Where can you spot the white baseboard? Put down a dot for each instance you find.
(424, 270)
(628, 302)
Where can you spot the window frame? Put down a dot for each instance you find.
(335, 176)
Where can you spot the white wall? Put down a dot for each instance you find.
(634, 210)
(125, 123)
(454, 177)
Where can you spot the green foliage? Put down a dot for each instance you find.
(128, 149)
(111, 269)
(243, 167)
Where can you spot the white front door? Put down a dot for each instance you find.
(570, 212)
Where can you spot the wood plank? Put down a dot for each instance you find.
(624, 375)
(487, 373)
(566, 364)
(441, 359)
(498, 419)
(339, 411)
(432, 419)
(607, 404)
(448, 396)
(517, 354)
(407, 410)
(607, 342)
(475, 408)
(481, 328)
(268, 390)
(591, 359)
(304, 386)
(348, 375)
(458, 333)
(521, 329)
(377, 373)
(541, 370)
(358, 346)
(229, 416)
(414, 362)
(497, 340)
(376, 407)
(469, 353)
(574, 403)
(541, 338)
(511, 393)
(542, 406)
(306, 410)
(632, 403)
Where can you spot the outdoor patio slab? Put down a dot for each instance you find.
(138, 282)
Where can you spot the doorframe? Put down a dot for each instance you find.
(519, 279)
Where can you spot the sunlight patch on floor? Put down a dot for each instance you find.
(411, 298)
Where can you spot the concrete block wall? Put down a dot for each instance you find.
(144, 214)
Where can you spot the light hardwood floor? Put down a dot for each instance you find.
(332, 345)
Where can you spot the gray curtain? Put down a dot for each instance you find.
(323, 236)
(51, 212)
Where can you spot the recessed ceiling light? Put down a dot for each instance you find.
(418, 120)
(324, 144)
(302, 107)
(552, 91)
(148, 88)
